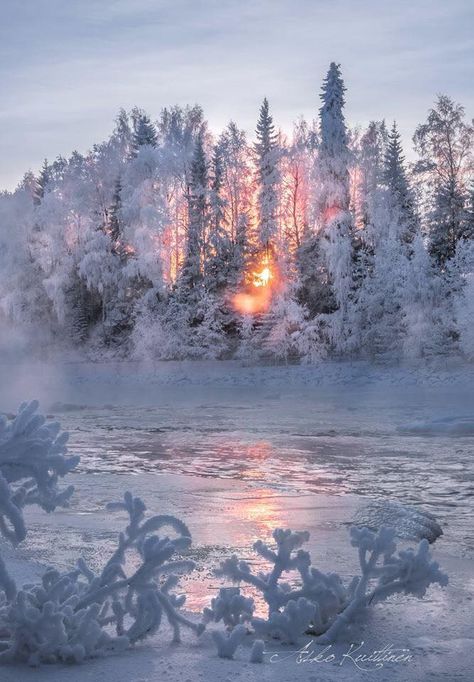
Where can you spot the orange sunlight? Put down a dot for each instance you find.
(257, 295)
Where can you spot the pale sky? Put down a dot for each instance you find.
(67, 66)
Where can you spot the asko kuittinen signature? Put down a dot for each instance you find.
(358, 655)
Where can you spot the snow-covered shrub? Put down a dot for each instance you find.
(384, 573)
(288, 624)
(32, 459)
(229, 606)
(326, 590)
(227, 643)
(319, 603)
(258, 649)
(78, 614)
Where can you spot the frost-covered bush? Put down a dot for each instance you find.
(32, 459)
(383, 573)
(227, 643)
(289, 623)
(319, 603)
(325, 590)
(229, 606)
(78, 614)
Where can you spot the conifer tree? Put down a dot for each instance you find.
(115, 219)
(218, 245)
(42, 182)
(144, 132)
(396, 181)
(331, 270)
(266, 151)
(198, 220)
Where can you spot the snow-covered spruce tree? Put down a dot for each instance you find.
(319, 603)
(373, 145)
(444, 144)
(144, 132)
(396, 180)
(115, 224)
(267, 153)
(336, 224)
(42, 182)
(218, 256)
(325, 260)
(191, 275)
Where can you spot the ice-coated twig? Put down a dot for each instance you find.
(32, 459)
(289, 623)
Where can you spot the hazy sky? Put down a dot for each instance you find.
(67, 66)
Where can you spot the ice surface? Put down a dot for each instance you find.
(447, 426)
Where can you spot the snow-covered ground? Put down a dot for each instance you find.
(237, 451)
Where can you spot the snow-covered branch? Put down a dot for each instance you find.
(320, 604)
(32, 459)
(384, 573)
(78, 614)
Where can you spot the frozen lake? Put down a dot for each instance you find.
(412, 443)
(236, 452)
(344, 430)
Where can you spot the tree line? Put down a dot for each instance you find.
(145, 245)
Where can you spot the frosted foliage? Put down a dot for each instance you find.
(319, 603)
(258, 649)
(334, 154)
(383, 573)
(33, 457)
(287, 318)
(287, 560)
(230, 607)
(289, 623)
(462, 275)
(142, 243)
(227, 643)
(79, 614)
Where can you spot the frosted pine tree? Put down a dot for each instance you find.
(371, 168)
(336, 224)
(396, 181)
(219, 252)
(144, 132)
(191, 275)
(266, 151)
(42, 182)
